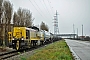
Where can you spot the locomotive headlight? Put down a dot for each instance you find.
(13, 43)
(13, 39)
(22, 38)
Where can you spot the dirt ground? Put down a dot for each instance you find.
(5, 49)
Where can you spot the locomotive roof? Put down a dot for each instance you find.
(31, 29)
(34, 27)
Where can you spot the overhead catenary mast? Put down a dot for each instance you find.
(82, 32)
(74, 31)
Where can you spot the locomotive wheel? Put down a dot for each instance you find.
(17, 45)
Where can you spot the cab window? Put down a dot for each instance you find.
(27, 34)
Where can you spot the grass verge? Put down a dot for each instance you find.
(56, 51)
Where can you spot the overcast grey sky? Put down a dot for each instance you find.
(70, 12)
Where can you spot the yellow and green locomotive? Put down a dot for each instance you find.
(23, 37)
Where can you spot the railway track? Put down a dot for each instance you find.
(14, 53)
(8, 54)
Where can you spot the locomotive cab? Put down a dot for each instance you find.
(20, 38)
(23, 37)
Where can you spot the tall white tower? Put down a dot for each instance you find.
(56, 29)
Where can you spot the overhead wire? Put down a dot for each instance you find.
(46, 8)
(36, 8)
(43, 6)
(50, 6)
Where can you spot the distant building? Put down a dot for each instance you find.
(84, 38)
(81, 37)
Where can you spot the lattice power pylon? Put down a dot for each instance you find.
(56, 29)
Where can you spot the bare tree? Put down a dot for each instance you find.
(23, 17)
(20, 15)
(43, 26)
(29, 20)
(1, 27)
(8, 10)
(15, 19)
(1, 1)
(46, 28)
